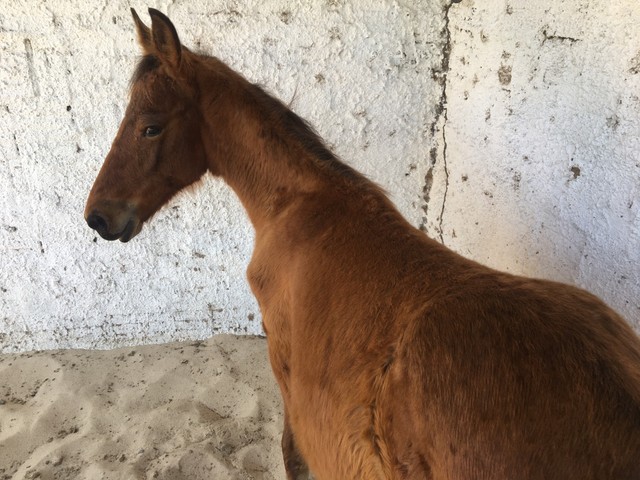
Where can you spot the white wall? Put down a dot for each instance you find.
(487, 160)
(543, 141)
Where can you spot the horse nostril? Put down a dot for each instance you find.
(96, 222)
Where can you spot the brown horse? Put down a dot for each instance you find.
(396, 357)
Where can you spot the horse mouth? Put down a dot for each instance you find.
(98, 223)
(130, 230)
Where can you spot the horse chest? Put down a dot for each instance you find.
(270, 290)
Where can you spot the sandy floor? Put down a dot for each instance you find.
(204, 410)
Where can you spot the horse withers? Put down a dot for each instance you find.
(396, 358)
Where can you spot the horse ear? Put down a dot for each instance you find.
(144, 33)
(165, 38)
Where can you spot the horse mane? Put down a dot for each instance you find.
(302, 131)
(146, 64)
(281, 115)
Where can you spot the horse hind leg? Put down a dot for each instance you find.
(294, 465)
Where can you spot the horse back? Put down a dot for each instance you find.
(508, 377)
(398, 358)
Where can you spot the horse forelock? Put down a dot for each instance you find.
(147, 63)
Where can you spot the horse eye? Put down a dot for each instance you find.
(152, 131)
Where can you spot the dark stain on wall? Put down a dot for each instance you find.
(575, 170)
(504, 74)
(635, 64)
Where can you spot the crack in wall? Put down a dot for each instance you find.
(439, 75)
(554, 37)
(31, 67)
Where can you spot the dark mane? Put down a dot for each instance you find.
(281, 115)
(305, 134)
(147, 64)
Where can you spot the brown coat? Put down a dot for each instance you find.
(396, 357)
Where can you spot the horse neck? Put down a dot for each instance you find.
(249, 143)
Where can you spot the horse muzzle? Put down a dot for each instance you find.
(114, 222)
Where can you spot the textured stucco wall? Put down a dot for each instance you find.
(360, 73)
(508, 131)
(543, 142)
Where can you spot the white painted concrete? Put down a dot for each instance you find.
(543, 142)
(359, 73)
(533, 93)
